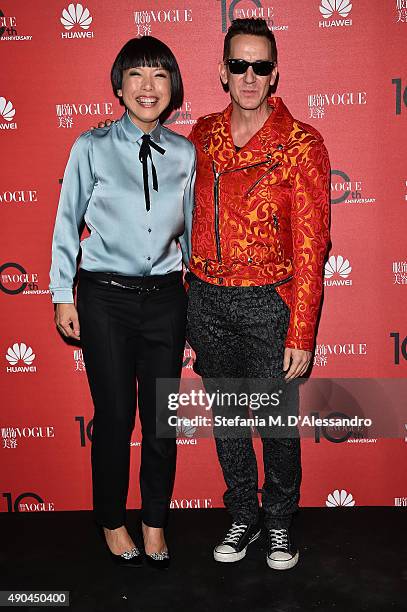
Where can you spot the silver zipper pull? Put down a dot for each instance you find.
(275, 221)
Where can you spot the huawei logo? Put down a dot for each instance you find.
(6, 110)
(75, 14)
(339, 498)
(329, 7)
(337, 265)
(184, 430)
(20, 352)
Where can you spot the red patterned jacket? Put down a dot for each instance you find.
(262, 214)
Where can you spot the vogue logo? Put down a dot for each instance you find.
(337, 270)
(19, 354)
(323, 351)
(349, 348)
(337, 434)
(343, 189)
(76, 15)
(7, 112)
(329, 8)
(12, 282)
(18, 505)
(145, 19)
(231, 10)
(8, 29)
(317, 102)
(67, 112)
(15, 279)
(11, 434)
(22, 196)
(191, 503)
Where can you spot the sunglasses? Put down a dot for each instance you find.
(261, 68)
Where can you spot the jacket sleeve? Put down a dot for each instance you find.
(185, 239)
(310, 235)
(76, 191)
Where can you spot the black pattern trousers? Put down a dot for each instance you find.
(239, 332)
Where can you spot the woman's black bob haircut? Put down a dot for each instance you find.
(151, 52)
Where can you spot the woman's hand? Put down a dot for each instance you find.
(67, 321)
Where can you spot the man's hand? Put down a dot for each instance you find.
(296, 361)
(67, 321)
(101, 124)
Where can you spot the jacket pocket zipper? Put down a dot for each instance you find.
(261, 178)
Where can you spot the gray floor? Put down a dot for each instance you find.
(350, 559)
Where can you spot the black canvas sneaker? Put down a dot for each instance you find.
(233, 547)
(281, 553)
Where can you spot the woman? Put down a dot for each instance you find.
(132, 183)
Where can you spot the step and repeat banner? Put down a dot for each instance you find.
(342, 69)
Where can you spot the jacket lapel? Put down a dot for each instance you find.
(261, 148)
(219, 145)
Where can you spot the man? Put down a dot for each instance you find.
(259, 238)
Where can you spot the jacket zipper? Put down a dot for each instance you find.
(216, 200)
(217, 176)
(261, 178)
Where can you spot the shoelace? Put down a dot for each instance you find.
(279, 538)
(234, 533)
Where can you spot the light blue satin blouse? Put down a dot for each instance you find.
(103, 184)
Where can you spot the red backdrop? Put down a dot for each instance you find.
(342, 68)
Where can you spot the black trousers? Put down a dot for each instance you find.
(239, 332)
(129, 336)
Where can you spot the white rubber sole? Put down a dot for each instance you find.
(232, 557)
(283, 565)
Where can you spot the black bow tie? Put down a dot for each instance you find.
(144, 154)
